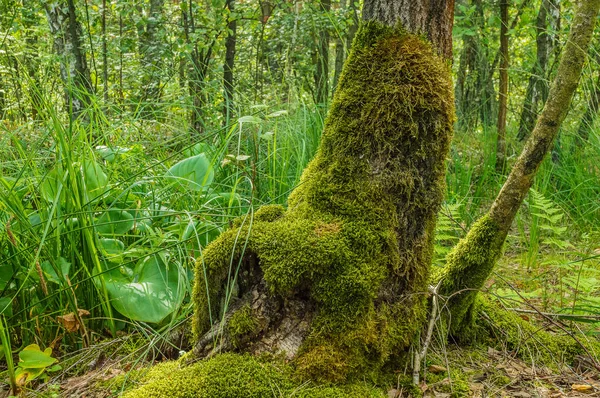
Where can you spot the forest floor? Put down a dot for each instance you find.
(486, 372)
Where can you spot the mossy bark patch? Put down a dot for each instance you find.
(356, 238)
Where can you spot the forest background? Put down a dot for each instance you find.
(133, 132)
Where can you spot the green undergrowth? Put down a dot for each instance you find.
(530, 341)
(236, 376)
(356, 239)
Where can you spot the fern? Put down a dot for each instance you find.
(448, 231)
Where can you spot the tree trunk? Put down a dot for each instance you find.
(199, 59)
(537, 88)
(474, 90)
(473, 259)
(66, 29)
(337, 282)
(151, 51)
(340, 51)
(503, 89)
(587, 120)
(228, 83)
(104, 54)
(322, 59)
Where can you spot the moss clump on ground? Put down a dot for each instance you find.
(356, 238)
(236, 376)
(532, 343)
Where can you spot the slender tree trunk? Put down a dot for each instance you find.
(66, 29)
(503, 89)
(322, 59)
(121, 91)
(199, 59)
(471, 262)
(151, 51)
(104, 54)
(228, 82)
(2, 99)
(472, 100)
(537, 88)
(353, 27)
(340, 51)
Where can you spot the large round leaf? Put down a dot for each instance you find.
(114, 222)
(96, 181)
(154, 290)
(194, 173)
(50, 187)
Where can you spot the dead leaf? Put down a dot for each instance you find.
(582, 388)
(437, 369)
(70, 321)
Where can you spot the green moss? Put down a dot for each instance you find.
(237, 376)
(242, 324)
(531, 342)
(356, 238)
(467, 268)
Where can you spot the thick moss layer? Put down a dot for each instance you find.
(530, 341)
(356, 238)
(468, 266)
(236, 376)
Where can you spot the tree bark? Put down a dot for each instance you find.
(337, 282)
(475, 94)
(433, 18)
(322, 59)
(537, 88)
(104, 54)
(150, 47)
(340, 51)
(228, 83)
(473, 259)
(503, 89)
(66, 29)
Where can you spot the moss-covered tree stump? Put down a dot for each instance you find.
(337, 282)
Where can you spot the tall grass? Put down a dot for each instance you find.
(82, 221)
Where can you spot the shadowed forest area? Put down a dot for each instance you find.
(285, 198)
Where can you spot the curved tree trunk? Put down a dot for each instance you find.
(503, 89)
(337, 282)
(471, 262)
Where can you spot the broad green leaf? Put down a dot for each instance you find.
(50, 187)
(6, 306)
(197, 149)
(96, 180)
(25, 375)
(110, 153)
(111, 247)
(249, 119)
(32, 357)
(6, 273)
(62, 264)
(114, 222)
(154, 290)
(194, 173)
